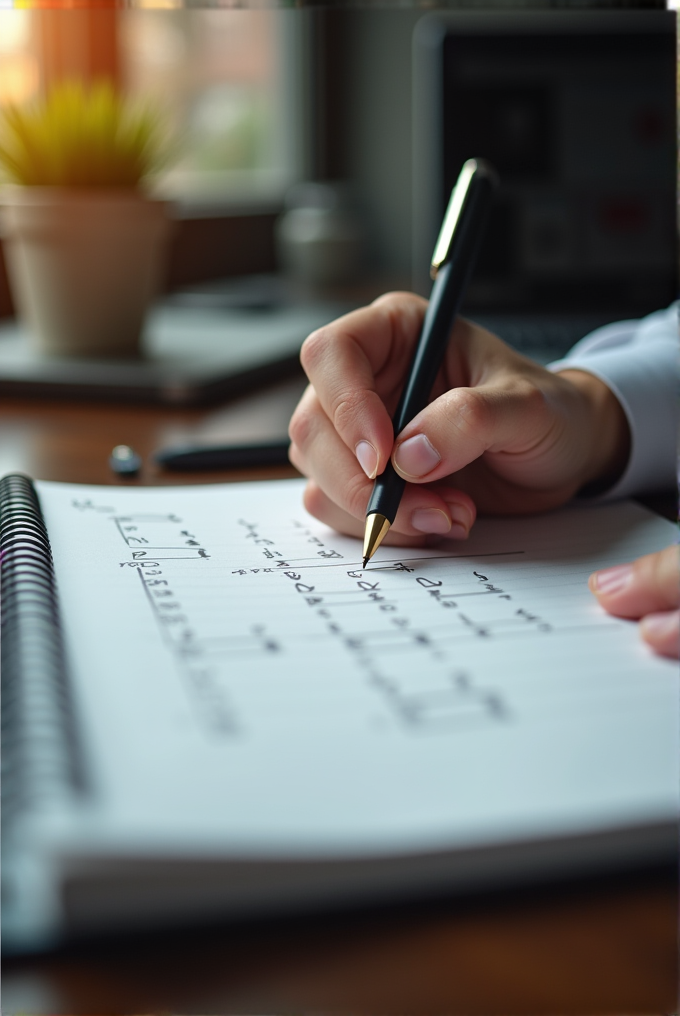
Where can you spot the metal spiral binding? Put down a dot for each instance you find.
(41, 760)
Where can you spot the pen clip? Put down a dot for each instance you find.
(472, 169)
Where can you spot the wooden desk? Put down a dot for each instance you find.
(605, 947)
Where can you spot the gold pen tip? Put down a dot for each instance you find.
(377, 527)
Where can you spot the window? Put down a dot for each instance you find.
(19, 75)
(227, 82)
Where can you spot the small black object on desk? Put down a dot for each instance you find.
(124, 461)
(190, 457)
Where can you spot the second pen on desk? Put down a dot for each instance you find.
(452, 263)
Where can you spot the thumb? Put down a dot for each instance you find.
(464, 423)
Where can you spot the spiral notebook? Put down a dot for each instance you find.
(210, 709)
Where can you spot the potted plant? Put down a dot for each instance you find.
(83, 240)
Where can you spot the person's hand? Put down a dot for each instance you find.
(648, 589)
(501, 434)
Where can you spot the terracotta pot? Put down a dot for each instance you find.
(83, 265)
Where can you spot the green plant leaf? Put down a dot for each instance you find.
(81, 136)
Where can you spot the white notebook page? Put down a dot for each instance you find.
(242, 685)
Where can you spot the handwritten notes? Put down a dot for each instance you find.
(243, 680)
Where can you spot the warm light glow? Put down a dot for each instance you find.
(15, 30)
(161, 5)
(62, 5)
(218, 78)
(19, 75)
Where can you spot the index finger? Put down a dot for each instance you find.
(357, 366)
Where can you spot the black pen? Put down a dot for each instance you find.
(452, 263)
(273, 452)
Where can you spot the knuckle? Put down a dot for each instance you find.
(345, 412)
(533, 397)
(524, 392)
(471, 410)
(311, 499)
(314, 347)
(351, 410)
(302, 427)
(296, 459)
(478, 412)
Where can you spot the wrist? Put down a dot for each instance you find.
(608, 432)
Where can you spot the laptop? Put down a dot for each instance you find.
(576, 110)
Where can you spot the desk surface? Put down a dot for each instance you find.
(604, 947)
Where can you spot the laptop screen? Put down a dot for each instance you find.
(581, 127)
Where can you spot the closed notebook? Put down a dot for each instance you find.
(210, 709)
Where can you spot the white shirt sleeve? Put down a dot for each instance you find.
(640, 362)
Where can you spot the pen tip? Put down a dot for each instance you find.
(377, 527)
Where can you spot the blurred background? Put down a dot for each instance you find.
(381, 107)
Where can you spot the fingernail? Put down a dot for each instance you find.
(611, 580)
(416, 456)
(368, 458)
(430, 520)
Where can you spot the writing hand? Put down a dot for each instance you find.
(647, 589)
(501, 435)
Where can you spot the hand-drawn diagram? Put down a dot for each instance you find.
(272, 622)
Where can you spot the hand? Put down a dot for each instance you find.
(500, 435)
(649, 589)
